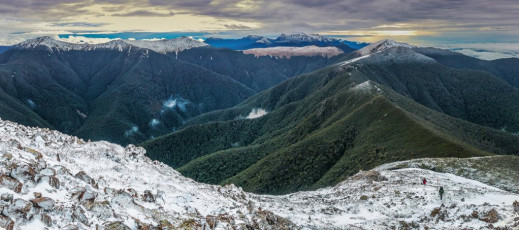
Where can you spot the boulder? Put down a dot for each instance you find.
(44, 203)
(6, 223)
(491, 217)
(7, 197)
(116, 226)
(84, 177)
(23, 172)
(10, 183)
(148, 196)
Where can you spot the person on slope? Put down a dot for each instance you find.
(424, 181)
(441, 192)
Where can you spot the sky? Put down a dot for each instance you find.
(473, 25)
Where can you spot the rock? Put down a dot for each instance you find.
(116, 226)
(45, 203)
(516, 206)
(23, 172)
(44, 218)
(132, 192)
(491, 217)
(475, 214)
(7, 197)
(79, 215)
(87, 197)
(165, 225)
(76, 192)
(440, 213)
(101, 210)
(6, 223)
(10, 183)
(84, 177)
(48, 172)
(7, 156)
(51, 180)
(70, 227)
(364, 197)
(37, 194)
(148, 196)
(20, 207)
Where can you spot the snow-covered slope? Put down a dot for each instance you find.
(287, 52)
(381, 46)
(48, 179)
(161, 46)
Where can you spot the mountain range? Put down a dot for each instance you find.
(288, 40)
(386, 102)
(274, 116)
(130, 91)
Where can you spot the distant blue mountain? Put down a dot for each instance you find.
(298, 40)
(4, 48)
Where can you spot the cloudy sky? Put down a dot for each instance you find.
(483, 22)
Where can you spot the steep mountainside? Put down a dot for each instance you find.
(257, 73)
(4, 48)
(49, 180)
(130, 91)
(507, 68)
(317, 129)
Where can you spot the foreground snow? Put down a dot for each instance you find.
(52, 180)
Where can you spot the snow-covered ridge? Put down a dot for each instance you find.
(381, 46)
(161, 46)
(287, 52)
(48, 179)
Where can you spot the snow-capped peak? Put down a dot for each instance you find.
(303, 37)
(160, 46)
(381, 46)
(253, 37)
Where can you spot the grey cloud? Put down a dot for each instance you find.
(142, 13)
(79, 24)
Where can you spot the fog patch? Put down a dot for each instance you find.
(31, 103)
(153, 123)
(256, 113)
(131, 131)
(177, 102)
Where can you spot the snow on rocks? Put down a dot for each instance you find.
(106, 186)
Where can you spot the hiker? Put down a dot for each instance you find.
(424, 181)
(441, 192)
